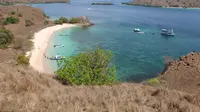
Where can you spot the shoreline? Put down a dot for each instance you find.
(41, 41)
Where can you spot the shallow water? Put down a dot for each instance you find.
(137, 56)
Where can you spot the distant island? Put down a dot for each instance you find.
(165, 3)
(102, 3)
(12, 2)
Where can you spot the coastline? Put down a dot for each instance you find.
(41, 40)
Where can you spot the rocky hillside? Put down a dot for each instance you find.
(167, 3)
(32, 1)
(183, 74)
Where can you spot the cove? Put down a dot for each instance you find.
(137, 56)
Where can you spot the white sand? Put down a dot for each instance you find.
(41, 40)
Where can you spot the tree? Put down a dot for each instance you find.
(74, 20)
(57, 22)
(63, 19)
(94, 67)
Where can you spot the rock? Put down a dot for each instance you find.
(85, 21)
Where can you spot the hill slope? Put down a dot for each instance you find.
(32, 1)
(25, 90)
(168, 3)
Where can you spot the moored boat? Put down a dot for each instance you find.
(136, 30)
(167, 32)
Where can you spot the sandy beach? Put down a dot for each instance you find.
(41, 40)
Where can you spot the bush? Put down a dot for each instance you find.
(46, 22)
(74, 20)
(5, 37)
(28, 23)
(23, 60)
(12, 12)
(57, 22)
(19, 15)
(45, 15)
(11, 20)
(63, 19)
(153, 81)
(93, 67)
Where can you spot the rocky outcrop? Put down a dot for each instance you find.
(84, 21)
(166, 3)
(183, 74)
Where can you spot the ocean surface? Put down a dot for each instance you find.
(137, 56)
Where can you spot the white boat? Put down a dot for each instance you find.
(57, 57)
(167, 32)
(58, 45)
(136, 30)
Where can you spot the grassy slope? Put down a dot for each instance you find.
(24, 90)
(20, 31)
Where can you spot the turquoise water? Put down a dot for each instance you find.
(137, 56)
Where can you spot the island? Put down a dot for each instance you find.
(12, 2)
(102, 3)
(165, 3)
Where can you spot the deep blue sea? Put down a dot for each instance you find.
(137, 56)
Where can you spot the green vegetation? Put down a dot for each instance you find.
(153, 81)
(45, 15)
(28, 23)
(74, 20)
(90, 68)
(5, 38)
(6, 3)
(102, 3)
(129, 3)
(11, 20)
(61, 20)
(23, 60)
(19, 15)
(12, 12)
(46, 22)
(57, 22)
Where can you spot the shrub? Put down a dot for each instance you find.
(57, 22)
(11, 20)
(46, 22)
(5, 37)
(23, 60)
(153, 81)
(12, 12)
(18, 43)
(28, 23)
(63, 19)
(93, 67)
(74, 20)
(45, 15)
(19, 15)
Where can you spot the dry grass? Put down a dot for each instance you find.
(24, 90)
